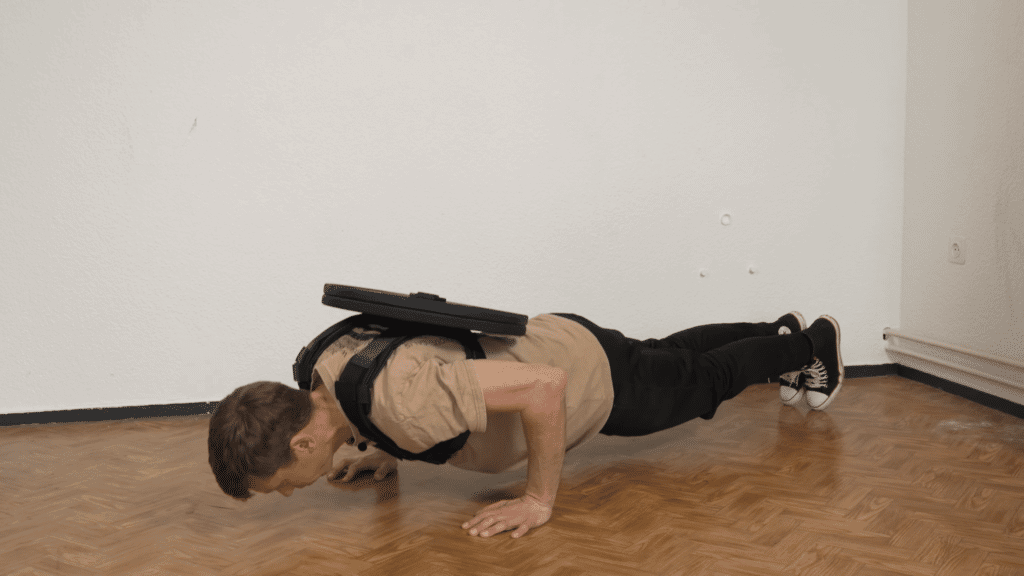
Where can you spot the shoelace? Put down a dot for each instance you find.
(817, 375)
(793, 378)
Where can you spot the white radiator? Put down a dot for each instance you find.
(994, 375)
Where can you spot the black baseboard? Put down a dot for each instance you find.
(101, 414)
(869, 370)
(199, 408)
(976, 396)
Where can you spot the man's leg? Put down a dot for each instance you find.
(711, 336)
(668, 386)
(658, 387)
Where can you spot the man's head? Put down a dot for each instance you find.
(267, 436)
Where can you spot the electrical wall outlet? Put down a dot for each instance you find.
(957, 252)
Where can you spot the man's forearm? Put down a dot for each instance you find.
(544, 429)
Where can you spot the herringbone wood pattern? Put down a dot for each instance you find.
(896, 478)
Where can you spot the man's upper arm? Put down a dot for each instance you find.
(513, 386)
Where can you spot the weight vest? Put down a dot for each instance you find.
(399, 318)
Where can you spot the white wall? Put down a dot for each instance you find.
(178, 180)
(965, 176)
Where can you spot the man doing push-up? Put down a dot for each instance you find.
(533, 398)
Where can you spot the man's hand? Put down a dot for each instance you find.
(522, 514)
(377, 460)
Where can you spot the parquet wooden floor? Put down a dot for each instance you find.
(896, 478)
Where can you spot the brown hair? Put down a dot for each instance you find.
(251, 432)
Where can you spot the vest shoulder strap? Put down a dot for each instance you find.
(354, 388)
(302, 369)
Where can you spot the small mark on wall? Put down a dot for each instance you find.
(194, 124)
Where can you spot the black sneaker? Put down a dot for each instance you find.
(791, 390)
(791, 323)
(824, 377)
(791, 387)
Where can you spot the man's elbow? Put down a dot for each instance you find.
(554, 384)
(563, 380)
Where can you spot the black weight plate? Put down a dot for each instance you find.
(425, 308)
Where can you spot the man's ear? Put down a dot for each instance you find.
(303, 442)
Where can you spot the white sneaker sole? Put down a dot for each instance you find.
(793, 400)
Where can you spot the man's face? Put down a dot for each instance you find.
(310, 463)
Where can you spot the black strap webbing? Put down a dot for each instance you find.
(302, 369)
(354, 388)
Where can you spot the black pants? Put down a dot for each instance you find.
(661, 383)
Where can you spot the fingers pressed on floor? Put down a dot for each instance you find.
(495, 529)
(481, 526)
